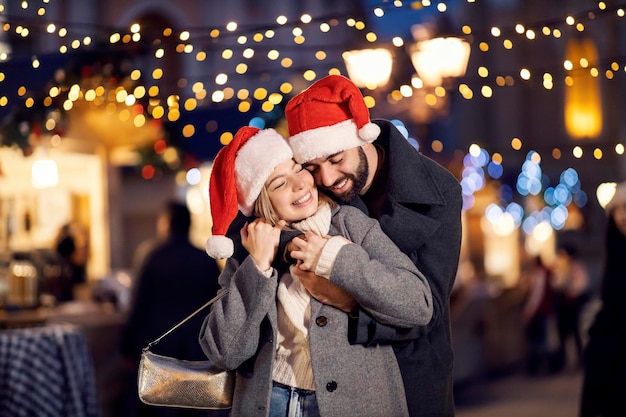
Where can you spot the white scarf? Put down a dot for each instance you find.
(293, 355)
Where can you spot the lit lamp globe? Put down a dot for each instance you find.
(369, 68)
(605, 192)
(440, 58)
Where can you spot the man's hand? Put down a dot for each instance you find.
(324, 291)
(307, 249)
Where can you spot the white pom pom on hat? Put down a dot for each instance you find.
(219, 247)
(328, 117)
(240, 170)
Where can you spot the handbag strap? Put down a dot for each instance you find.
(183, 321)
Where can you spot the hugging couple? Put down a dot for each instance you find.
(342, 245)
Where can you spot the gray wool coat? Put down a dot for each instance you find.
(351, 380)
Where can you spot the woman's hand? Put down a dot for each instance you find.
(306, 249)
(261, 240)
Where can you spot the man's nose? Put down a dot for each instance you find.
(327, 177)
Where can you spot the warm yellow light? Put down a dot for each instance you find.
(583, 102)
(139, 120)
(577, 152)
(605, 192)
(243, 107)
(542, 232)
(44, 173)
(440, 58)
(369, 68)
(525, 74)
(406, 90)
(217, 96)
(260, 93)
(436, 146)
(221, 79)
(189, 130)
(370, 102)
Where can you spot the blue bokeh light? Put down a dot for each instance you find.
(257, 122)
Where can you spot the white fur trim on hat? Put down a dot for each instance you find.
(254, 163)
(328, 140)
(219, 247)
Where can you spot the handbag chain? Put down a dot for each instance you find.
(219, 295)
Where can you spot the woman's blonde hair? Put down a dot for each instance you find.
(263, 206)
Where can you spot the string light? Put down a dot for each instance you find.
(250, 39)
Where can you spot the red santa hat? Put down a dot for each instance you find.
(328, 117)
(240, 170)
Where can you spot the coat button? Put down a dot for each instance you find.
(331, 386)
(321, 321)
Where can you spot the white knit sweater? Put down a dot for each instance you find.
(292, 364)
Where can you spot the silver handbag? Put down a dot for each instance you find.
(172, 382)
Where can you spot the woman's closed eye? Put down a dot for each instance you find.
(278, 184)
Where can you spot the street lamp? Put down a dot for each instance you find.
(605, 192)
(583, 101)
(369, 68)
(440, 58)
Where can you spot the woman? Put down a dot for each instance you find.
(604, 383)
(291, 352)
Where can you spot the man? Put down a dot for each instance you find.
(371, 165)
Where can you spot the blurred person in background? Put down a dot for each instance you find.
(538, 313)
(172, 280)
(571, 284)
(604, 383)
(71, 245)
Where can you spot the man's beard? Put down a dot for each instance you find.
(358, 179)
